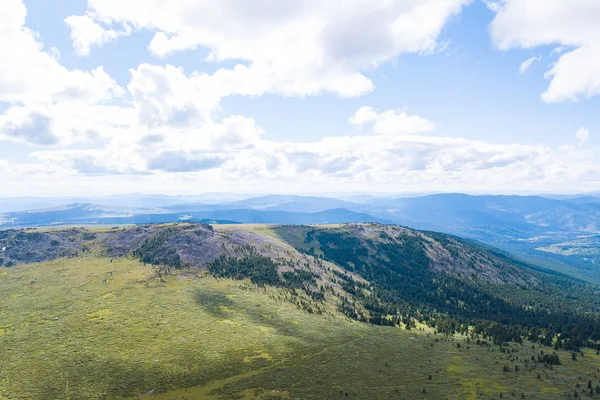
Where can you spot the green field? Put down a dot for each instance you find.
(108, 329)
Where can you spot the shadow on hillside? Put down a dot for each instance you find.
(213, 302)
(220, 306)
(112, 378)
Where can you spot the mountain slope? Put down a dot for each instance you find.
(92, 328)
(523, 225)
(433, 276)
(374, 273)
(518, 224)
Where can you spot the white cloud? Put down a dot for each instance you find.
(558, 50)
(184, 162)
(24, 125)
(86, 33)
(575, 75)
(64, 123)
(236, 156)
(113, 160)
(573, 25)
(34, 83)
(525, 65)
(363, 163)
(167, 96)
(30, 75)
(492, 5)
(582, 134)
(391, 122)
(291, 48)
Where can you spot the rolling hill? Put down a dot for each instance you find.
(523, 225)
(373, 271)
(286, 311)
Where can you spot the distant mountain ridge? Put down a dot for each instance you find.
(525, 225)
(294, 203)
(92, 214)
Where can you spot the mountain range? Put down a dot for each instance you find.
(559, 231)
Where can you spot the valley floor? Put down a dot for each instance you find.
(94, 328)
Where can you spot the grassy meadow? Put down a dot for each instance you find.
(95, 328)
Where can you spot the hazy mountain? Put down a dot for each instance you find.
(292, 203)
(35, 203)
(91, 214)
(587, 195)
(522, 216)
(66, 214)
(584, 217)
(127, 200)
(585, 199)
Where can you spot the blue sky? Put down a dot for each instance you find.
(455, 112)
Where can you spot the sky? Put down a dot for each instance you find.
(104, 97)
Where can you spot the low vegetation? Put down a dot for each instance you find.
(100, 329)
(363, 311)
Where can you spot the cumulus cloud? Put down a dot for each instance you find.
(85, 33)
(231, 134)
(168, 96)
(110, 161)
(575, 75)
(64, 123)
(290, 48)
(22, 125)
(358, 162)
(232, 153)
(525, 65)
(492, 5)
(322, 162)
(30, 75)
(391, 122)
(184, 162)
(33, 83)
(533, 23)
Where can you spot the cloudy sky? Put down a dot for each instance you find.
(307, 96)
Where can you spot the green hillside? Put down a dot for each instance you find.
(95, 328)
(273, 312)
